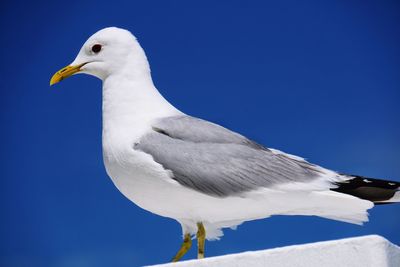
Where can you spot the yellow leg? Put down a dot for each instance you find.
(187, 243)
(201, 238)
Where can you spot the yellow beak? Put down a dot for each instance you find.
(65, 73)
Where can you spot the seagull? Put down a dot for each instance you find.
(201, 174)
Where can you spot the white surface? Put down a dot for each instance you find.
(366, 251)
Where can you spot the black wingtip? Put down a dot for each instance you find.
(375, 190)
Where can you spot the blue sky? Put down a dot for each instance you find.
(319, 79)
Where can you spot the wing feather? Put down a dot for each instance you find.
(216, 161)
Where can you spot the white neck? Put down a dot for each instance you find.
(130, 103)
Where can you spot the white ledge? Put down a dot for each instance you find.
(366, 251)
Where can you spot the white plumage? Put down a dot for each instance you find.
(136, 156)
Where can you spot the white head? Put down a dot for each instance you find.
(110, 51)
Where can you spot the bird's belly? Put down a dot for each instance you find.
(151, 187)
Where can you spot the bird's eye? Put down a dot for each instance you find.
(96, 48)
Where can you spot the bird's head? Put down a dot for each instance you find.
(106, 52)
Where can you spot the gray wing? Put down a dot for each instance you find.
(216, 161)
(196, 130)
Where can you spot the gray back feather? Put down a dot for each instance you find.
(216, 161)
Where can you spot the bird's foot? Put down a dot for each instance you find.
(201, 238)
(186, 245)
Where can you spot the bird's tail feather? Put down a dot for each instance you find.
(332, 205)
(375, 190)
